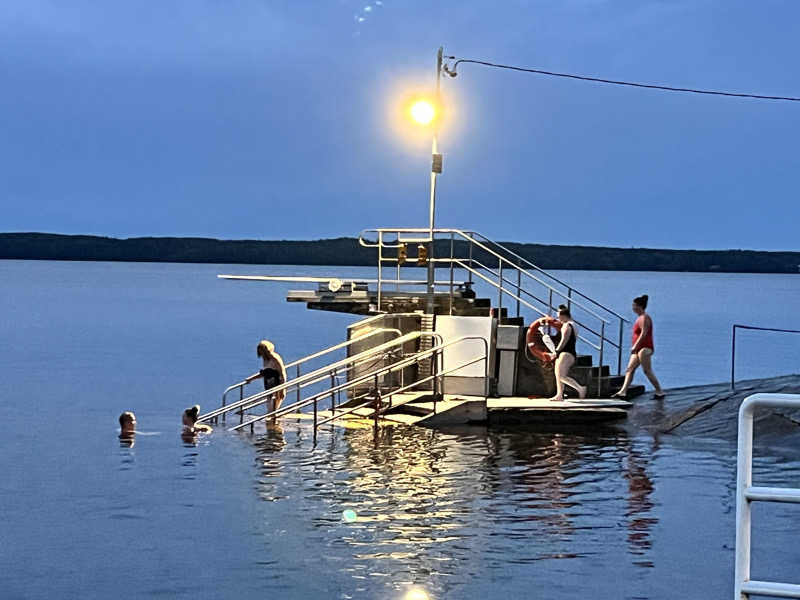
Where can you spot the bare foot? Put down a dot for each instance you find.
(582, 392)
(556, 399)
(620, 394)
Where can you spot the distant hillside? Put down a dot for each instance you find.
(347, 251)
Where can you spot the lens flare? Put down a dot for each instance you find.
(349, 516)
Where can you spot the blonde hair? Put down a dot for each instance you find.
(264, 347)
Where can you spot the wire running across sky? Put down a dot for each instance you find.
(452, 72)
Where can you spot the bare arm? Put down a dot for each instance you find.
(564, 338)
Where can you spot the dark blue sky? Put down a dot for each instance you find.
(259, 119)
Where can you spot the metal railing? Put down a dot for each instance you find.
(328, 372)
(746, 494)
(733, 344)
(300, 361)
(375, 394)
(466, 248)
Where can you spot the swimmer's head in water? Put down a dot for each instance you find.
(190, 415)
(265, 349)
(127, 422)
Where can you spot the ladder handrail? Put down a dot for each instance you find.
(467, 235)
(733, 344)
(304, 359)
(746, 493)
(524, 302)
(391, 393)
(401, 364)
(314, 376)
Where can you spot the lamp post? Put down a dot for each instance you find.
(427, 113)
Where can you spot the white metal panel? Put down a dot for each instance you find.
(451, 328)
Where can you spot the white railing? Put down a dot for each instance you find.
(747, 493)
(514, 278)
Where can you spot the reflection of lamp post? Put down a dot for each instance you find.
(428, 113)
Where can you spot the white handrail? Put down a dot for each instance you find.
(746, 493)
(312, 376)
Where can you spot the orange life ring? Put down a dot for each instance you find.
(533, 340)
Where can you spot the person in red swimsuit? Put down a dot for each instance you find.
(642, 349)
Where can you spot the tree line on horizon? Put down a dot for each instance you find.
(348, 252)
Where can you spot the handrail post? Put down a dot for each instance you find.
(500, 293)
(333, 394)
(452, 252)
(744, 479)
(380, 265)
(733, 359)
(297, 370)
(519, 287)
(471, 244)
(550, 302)
(569, 298)
(619, 347)
(377, 402)
(600, 359)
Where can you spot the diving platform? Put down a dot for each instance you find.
(432, 352)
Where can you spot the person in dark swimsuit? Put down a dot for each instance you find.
(273, 372)
(565, 356)
(642, 349)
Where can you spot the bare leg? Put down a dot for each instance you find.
(574, 385)
(645, 357)
(633, 364)
(559, 384)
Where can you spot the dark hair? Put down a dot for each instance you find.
(641, 300)
(563, 309)
(192, 412)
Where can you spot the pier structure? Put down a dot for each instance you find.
(457, 356)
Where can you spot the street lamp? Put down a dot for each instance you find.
(427, 113)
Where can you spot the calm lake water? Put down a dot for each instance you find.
(465, 514)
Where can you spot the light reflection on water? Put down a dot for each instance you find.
(439, 509)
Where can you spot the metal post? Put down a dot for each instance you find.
(733, 359)
(519, 287)
(377, 402)
(451, 272)
(298, 385)
(569, 298)
(619, 348)
(434, 150)
(471, 244)
(380, 263)
(333, 394)
(600, 359)
(744, 479)
(550, 301)
(500, 293)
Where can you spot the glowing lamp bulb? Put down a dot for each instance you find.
(422, 112)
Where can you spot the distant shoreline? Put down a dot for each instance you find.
(347, 252)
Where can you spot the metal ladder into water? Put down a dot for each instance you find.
(370, 389)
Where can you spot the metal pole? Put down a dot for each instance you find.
(519, 287)
(733, 359)
(451, 272)
(434, 150)
(380, 263)
(333, 394)
(619, 348)
(500, 294)
(600, 359)
(744, 479)
(297, 370)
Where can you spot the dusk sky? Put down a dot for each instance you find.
(274, 119)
